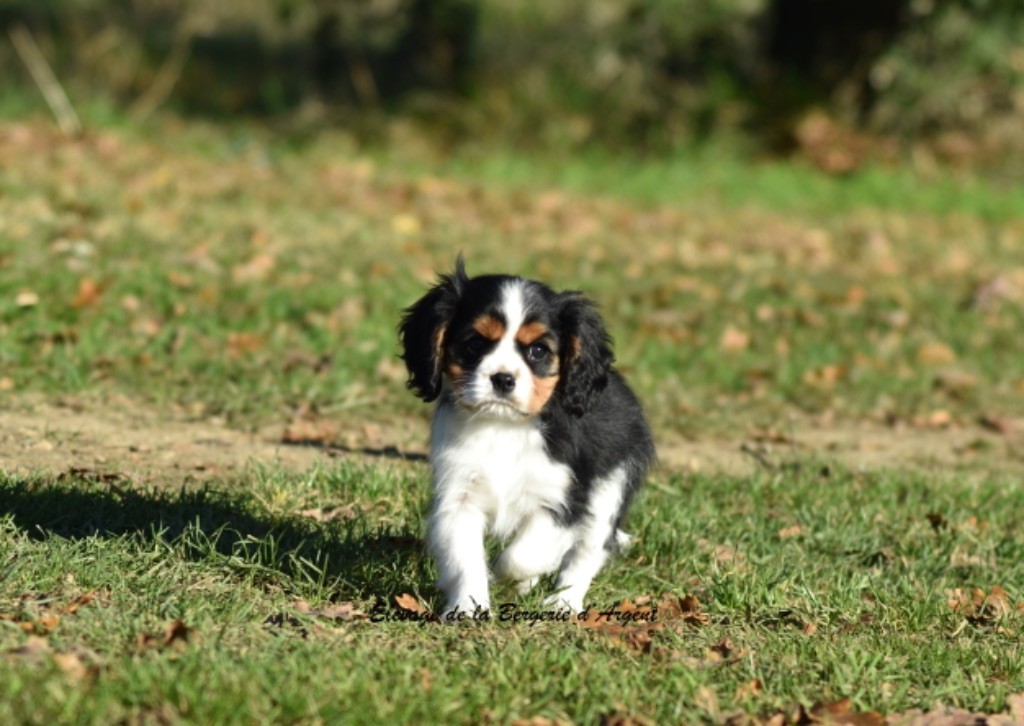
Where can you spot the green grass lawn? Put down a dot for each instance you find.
(231, 274)
(818, 584)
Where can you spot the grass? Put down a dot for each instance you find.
(233, 274)
(854, 605)
(275, 273)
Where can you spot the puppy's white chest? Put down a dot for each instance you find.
(501, 468)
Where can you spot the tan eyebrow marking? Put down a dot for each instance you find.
(489, 327)
(531, 333)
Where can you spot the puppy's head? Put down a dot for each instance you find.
(504, 346)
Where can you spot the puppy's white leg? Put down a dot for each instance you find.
(455, 538)
(537, 549)
(581, 566)
(590, 550)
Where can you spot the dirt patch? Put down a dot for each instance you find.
(50, 438)
(37, 437)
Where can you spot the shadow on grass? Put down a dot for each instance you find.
(380, 452)
(348, 559)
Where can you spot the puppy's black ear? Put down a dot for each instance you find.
(423, 328)
(585, 352)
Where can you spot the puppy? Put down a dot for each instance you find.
(535, 438)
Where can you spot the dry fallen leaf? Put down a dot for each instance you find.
(734, 340)
(75, 667)
(790, 532)
(34, 649)
(258, 268)
(340, 612)
(749, 689)
(979, 607)
(705, 699)
(175, 635)
(80, 601)
(619, 718)
(26, 299)
(88, 295)
(933, 354)
(997, 424)
(319, 514)
(309, 431)
(409, 602)
(240, 343)
(841, 713)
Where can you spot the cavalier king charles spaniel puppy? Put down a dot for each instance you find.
(535, 439)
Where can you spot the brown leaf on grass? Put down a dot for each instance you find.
(632, 625)
(955, 383)
(330, 514)
(637, 638)
(240, 343)
(938, 419)
(409, 602)
(309, 431)
(340, 612)
(721, 554)
(33, 649)
(934, 354)
(706, 700)
(734, 340)
(26, 299)
(426, 678)
(81, 601)
(722, 652)
(88, 295)
(791, 532)
(618, 717)
(258, 268)
(841, 713)
(43, 624)
(175, 635)
(685, 608)
(77, 663)
(996, 424)
(75, 667)
(979, 607)
(825, 377)
(749, 689)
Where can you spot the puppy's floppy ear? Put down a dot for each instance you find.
(423, 328)
(585, 352)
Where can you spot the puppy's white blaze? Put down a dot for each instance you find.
(489, 475)
(505, 358)
(589, 553)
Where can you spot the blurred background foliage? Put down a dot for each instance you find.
(835, 80)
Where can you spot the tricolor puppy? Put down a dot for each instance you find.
(535, 438)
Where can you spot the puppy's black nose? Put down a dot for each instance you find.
(503, 383)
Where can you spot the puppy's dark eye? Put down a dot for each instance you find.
(537, 352)
(476, 344)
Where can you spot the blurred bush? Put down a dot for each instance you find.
(643, 74)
